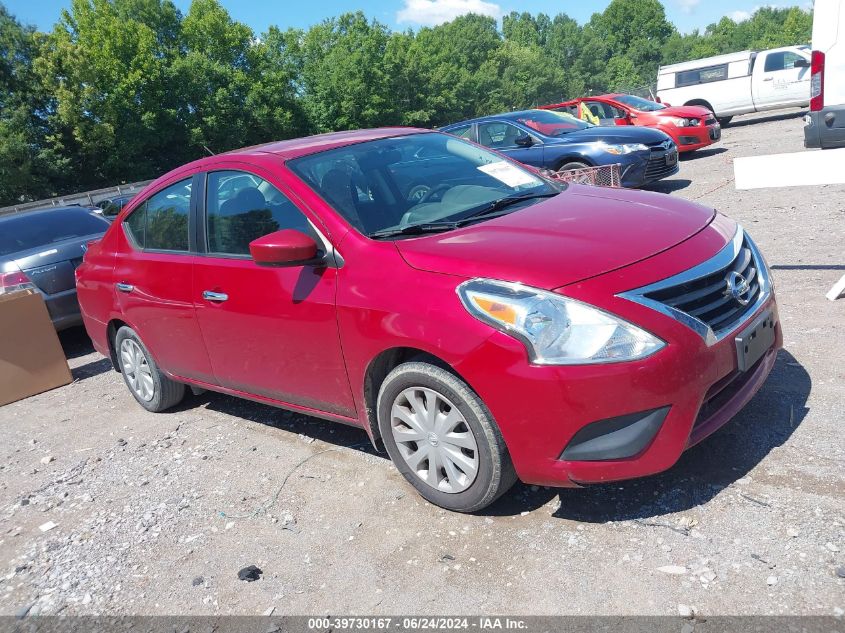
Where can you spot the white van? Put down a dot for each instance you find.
(824, 126)
(739, 83)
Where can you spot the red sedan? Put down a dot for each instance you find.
(691, 127)
(499, 326)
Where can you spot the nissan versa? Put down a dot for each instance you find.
(498, 326)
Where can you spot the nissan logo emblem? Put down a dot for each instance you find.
(738, 288)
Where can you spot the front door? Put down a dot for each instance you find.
(153, 268)
(502, 137)
(781, 82)
(270, 331)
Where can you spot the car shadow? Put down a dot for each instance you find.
(312, 428)
(668, 186)
(703, 153)
(700, 474)
(783, 116)
(75, 342)
(89, 370)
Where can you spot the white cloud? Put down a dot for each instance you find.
(739, 16)
(433, 12)
(688, 6)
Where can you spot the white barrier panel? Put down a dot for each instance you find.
(823, 167)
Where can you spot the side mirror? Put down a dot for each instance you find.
(284, 248)
(801, 63)
(524, 141)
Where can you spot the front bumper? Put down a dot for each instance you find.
(690, 139)
(540, 409)
(647, 167)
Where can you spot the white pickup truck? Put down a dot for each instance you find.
(739, 83)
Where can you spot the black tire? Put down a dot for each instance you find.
(724, 121)
(495, 473)
(166, 392)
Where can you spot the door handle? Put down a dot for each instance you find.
(768, 79)
(124, 287)
(216, 297)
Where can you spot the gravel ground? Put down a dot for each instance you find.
(153, 514)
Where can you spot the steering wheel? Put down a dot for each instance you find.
(441, 188)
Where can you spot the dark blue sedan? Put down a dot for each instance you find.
(550, 140)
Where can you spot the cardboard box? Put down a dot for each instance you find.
(31, 358)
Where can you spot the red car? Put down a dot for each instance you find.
(691, 127)
(499, 326)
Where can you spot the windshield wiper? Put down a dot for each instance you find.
(415, 229)
(502, 203)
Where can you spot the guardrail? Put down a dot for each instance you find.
(82, 198)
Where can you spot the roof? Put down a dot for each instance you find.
(30, 213)
(294, 148)
(707, 61)
(507, 116)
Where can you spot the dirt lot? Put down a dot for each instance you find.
(157, 513)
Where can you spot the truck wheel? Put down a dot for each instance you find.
(442, 438)
(149, 386)
(725, 120)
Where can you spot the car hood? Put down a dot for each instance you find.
(614, 134)
(684, 111)
(583, 232)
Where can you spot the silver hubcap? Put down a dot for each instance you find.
(434, 439)
(137, 370)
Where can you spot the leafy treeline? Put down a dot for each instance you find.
(123, 90)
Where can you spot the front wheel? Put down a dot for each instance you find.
(724, 120)
(148, 385)
(442, 438)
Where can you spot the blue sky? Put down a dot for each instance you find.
(401, 14)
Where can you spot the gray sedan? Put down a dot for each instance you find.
(41, 249)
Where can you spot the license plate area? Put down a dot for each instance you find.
(755, 340)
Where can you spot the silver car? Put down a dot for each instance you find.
(41, 249)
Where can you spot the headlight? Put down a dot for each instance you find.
(625, 148)
(556, 330)
(680, 122)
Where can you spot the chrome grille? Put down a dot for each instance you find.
(709, 299)
(713, 298)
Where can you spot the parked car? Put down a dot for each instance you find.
(478, 331)
(111, 207)
(824, 126)
(40, 249)
(691, 127)
(548, 140)
(739, 83)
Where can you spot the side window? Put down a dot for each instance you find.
(783, 60)
(465, 131)
(701, 75)
(135, 225)
(166, 226)
(498, 135)
(242, 207)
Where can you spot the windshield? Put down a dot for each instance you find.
(28, 231)
(551, 123)
(638, 103)
(404, 181)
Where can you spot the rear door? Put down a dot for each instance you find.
(270, 331)
(777, 82)
(154, 275)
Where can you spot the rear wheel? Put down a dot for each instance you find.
(442, 438)
(148, 385)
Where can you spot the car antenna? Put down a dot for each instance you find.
(205, 147)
